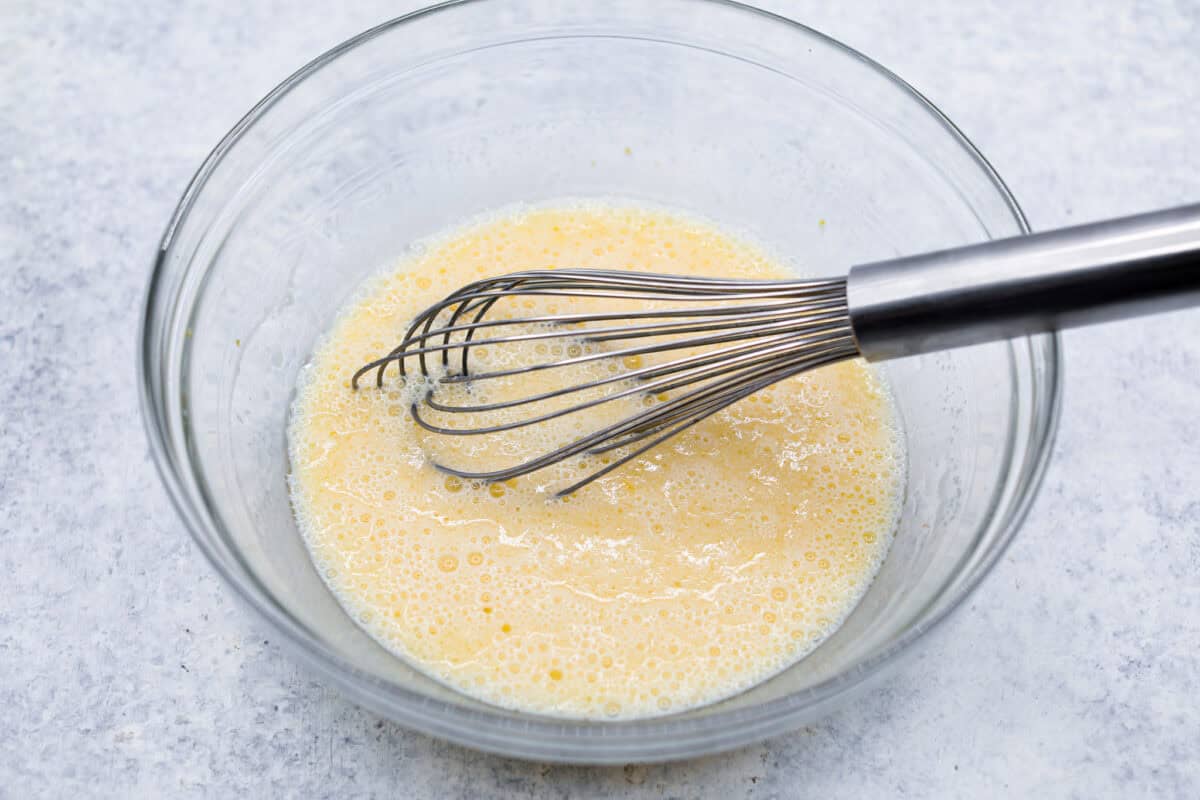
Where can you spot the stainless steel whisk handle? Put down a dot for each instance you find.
(1027, 284)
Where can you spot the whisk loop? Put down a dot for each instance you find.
(741, 335)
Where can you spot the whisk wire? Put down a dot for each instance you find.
(815, 312)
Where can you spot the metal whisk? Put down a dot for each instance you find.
(739, 336)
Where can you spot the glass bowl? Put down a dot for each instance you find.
(710, 107)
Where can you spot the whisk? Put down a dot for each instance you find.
(727, 339)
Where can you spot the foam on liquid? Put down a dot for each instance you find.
(715, 561)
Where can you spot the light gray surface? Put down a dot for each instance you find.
(126, 667)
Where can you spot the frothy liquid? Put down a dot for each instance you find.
(718, 559)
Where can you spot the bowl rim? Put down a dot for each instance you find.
(545, 738)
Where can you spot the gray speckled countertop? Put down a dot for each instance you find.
(126, 669)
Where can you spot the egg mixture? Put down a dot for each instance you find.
(709, 564)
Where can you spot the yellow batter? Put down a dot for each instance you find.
(714, 562)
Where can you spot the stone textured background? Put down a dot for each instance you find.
(127, 670)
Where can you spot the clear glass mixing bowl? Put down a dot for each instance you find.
(711, 107)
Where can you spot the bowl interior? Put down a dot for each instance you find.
(748, 120)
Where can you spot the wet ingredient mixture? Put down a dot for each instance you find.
(712, 563)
